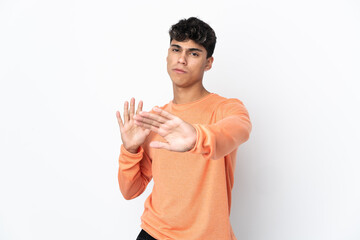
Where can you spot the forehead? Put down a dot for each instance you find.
(187, 44)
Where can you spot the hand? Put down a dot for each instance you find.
(132, 135)
(180, 135)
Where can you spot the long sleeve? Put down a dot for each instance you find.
(134, 172)
(216, 140)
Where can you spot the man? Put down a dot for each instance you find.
(188, 146)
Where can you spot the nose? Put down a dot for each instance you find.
(182, 58)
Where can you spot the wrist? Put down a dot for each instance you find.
(134, 149)
(193, 139)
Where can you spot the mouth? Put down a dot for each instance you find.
(177, 70)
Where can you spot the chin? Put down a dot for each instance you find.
(176, 79)
(181, 84)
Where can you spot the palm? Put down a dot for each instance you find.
(177, 134)
(180, 136)
(132, 135)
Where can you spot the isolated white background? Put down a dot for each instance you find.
(67, 66)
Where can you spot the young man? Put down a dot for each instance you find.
(188, 146)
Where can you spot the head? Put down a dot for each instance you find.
(192, 44)
(196, 30)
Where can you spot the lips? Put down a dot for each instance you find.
(178, 70)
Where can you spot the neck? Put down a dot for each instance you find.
(188, 95)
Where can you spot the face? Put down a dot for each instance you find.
(186, 63)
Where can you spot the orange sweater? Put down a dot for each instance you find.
(191, 196)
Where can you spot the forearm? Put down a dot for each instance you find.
(214, 141)
(134, 172)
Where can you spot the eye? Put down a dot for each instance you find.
(194, 54)
(175, 50)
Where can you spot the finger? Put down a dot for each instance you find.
(153, 117)
(147, 126)
(163, 113)
(147, 121)
(132, 107)
(126, 112)
(157, 144)
(118, 116)
(140, 105)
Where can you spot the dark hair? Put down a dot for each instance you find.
(196, 30)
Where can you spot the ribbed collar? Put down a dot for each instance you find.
(182, 107)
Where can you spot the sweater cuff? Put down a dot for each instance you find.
(128, 157)
(205, 141)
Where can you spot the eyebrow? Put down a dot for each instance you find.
(190, 49)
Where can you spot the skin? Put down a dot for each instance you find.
(186, 64)
(132, 135)
(190, 57)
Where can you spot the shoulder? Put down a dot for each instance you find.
(230, 106)
(224, 102)
(163, 107)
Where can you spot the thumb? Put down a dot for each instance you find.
(157, 144)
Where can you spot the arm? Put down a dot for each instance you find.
(212, 141)
(134, 164)
(221, 138)
(134, 172)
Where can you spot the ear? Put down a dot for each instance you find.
(209, 62)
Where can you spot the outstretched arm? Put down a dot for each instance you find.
(211, 140)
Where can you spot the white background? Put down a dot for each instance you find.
(67, 66)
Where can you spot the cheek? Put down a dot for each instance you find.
(199, 67)
(168, 62)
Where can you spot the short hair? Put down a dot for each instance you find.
(196, 30)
